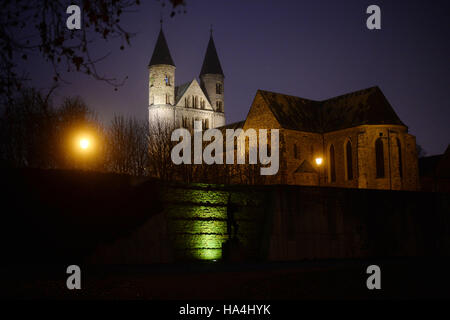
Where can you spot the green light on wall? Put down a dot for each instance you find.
(207, 254)
(198, 219)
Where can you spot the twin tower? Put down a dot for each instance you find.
(180, 106)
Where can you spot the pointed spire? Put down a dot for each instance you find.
(211, 63)
(161, 53)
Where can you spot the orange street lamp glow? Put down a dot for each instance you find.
(84, 143)
(319, 161)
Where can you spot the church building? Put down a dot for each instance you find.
(355, 140)
(179, 106)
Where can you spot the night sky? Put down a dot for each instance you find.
(312, 49)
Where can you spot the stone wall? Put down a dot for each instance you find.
(157, 85)
(282, 223)
(318, 223)
(58, 216)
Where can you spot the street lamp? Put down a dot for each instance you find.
(84, 143)
(84, 147)
(319, 162)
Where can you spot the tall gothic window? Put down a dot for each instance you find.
(400, 162)
(348, 153)
(332, 165)
(379, 156)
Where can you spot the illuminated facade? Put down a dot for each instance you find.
(180, 106)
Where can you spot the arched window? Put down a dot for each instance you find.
(348, 156)
(400, 162)
(379, 156)
(332, 165)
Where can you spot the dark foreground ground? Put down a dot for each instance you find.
(400, 279)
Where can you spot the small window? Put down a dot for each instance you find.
(219, 106)
(167, 80)
(195, 102)
(185, 122)
(218, 88)
(379, 158)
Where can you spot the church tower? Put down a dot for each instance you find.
(161, 83)
(212, 79)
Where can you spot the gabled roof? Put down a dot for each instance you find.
(183, 89)
(305, 167)
(161, 53)
(368, 106)
(211, 63)
(180, 90)
(293, 112)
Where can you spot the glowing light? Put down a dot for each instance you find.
(84, 143)
(319, 161)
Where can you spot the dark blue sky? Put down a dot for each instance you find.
(312, 49)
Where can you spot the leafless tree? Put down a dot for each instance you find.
(33, 133)
(127, 146)
(160, 146)
(39, 27)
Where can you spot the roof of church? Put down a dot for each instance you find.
(180, 90)
(161, 53)
(211, 63)
(368, 106)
